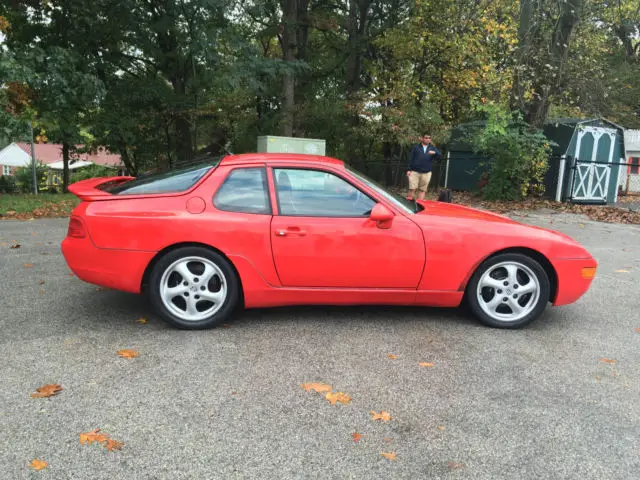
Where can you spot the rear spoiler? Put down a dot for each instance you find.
(88, 190)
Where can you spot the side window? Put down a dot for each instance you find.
(245, 190)
(313, 193)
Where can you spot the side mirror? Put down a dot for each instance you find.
(381, 215)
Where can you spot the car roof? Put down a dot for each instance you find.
(280, 157)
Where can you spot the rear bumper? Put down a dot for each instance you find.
(116, 269)
(571, 284)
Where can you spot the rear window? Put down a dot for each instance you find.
(173, 181)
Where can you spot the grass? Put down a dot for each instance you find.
(41, 205)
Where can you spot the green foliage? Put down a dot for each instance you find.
(7, 184)
(518, 155)
(24, 177)
(91, 171)
(157, 82)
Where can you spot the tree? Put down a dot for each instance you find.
(544, 38)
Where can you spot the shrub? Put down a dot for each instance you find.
(91, 171)
(518, 155)
(7, 184)
(24, 177)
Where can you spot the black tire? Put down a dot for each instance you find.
(537, 306)
(231, 282)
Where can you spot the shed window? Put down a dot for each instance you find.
(634, 169)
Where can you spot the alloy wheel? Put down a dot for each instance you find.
(193, 288)
(508, 291)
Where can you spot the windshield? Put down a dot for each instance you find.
(173, 181)
(408, 206)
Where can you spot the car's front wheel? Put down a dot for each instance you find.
(194, 288)
(508, 291)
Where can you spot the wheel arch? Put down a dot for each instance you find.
(144, 283)
(530, 252)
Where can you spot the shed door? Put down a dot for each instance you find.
(594, 154)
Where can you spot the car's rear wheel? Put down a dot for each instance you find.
(194, 288)
(508, 291)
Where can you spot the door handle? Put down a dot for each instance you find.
(290, 231)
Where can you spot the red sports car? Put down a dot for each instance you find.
(262, 230)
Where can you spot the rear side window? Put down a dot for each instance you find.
(174, 181)
(245, 190)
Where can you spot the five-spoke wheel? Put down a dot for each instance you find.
(194, 287)
(508, 290)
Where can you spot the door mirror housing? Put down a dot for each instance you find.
(381, 215)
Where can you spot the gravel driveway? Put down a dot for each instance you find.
(227, 403)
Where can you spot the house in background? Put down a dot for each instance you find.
(12, 157)
(631, 175)
(19, 155)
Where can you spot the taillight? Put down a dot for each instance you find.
(76, 228)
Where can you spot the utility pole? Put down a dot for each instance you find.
(33, 162)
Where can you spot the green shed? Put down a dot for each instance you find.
(584, 166)
(591, 156)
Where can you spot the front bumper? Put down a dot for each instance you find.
(571, 283)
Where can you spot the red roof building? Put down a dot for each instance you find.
(49, 153)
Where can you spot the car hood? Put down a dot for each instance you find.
(444, 209)
(495, 229)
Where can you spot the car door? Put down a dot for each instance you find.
(323, 237)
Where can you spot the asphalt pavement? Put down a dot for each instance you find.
(536, 403)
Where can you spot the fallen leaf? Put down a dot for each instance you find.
(607, 360)
(356, 436)
(622, 270)
(41, 292)
(226, 325)
(441, 427)
(33, 234)
(95, 436)
(392, 356)
(389, 456)
(317, 387)
(28, 265)
(112, 444)
(41, 282)
(15, 245)
(638, 330)
(427, 364)
(454, 465)
(128, 353)
(142, 321)
(598, 377)
(581, 225)
(334, 397)
(387, 439)
(48, 390)
(71, 274)
(38, 464)
(384, 416)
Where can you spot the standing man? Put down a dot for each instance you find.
(420, 166)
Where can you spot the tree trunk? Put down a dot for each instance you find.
(65, 166)
(289, 39)
(549, 72)
(126, 159)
